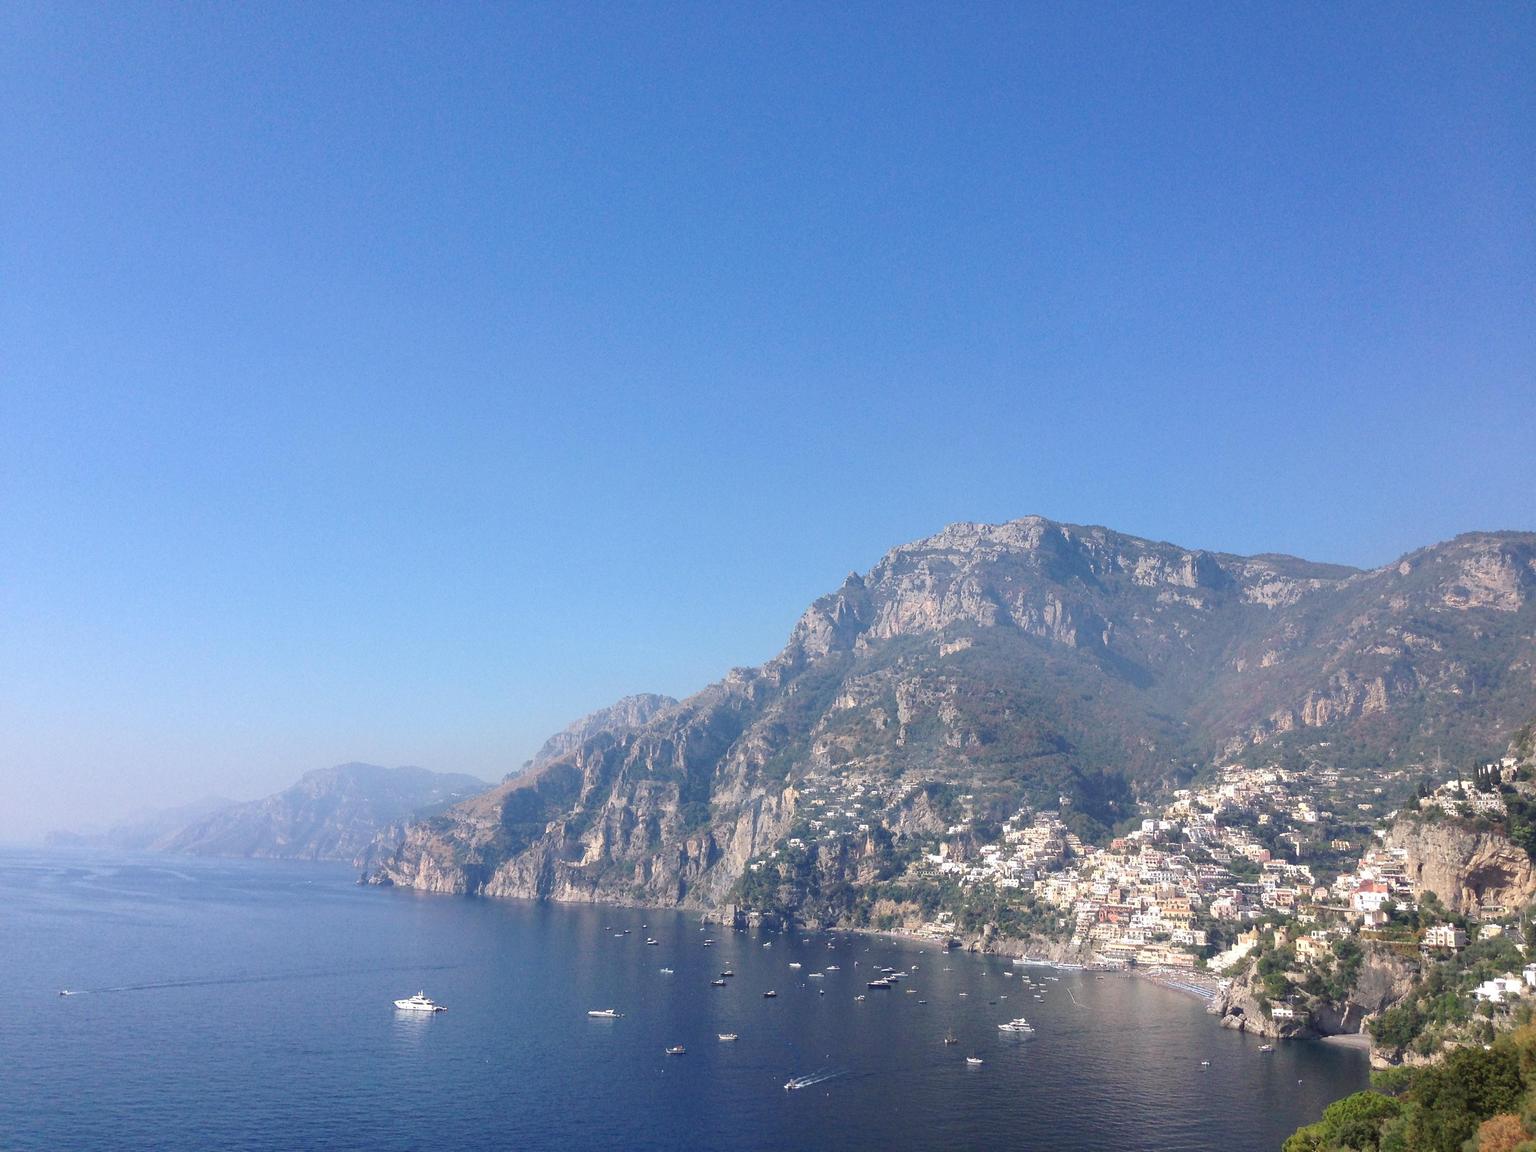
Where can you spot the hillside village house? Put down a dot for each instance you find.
(1445, 936)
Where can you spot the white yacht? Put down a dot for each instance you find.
(420, 1002)
(1018, 1024)
(605, 1013)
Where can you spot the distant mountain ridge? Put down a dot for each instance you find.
(1055, 663)
(141, 832)
(330, 814)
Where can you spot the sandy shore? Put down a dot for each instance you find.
(1352, 1040)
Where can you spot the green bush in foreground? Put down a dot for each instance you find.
(1475, 1100)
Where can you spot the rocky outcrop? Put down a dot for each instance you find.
(1384, 978)
(1031, 661)
(1471, 871)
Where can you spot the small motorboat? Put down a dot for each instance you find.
(676, 1050)
(1266, 1047)
(859, 997)
(651, 941)
(794, 963)
(666, 971)
(605, 1014)
(727, 974)
(974, 1061)
(770, 994)
(717, 983)
(728, 1036)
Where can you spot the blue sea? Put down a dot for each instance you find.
(249, 1005)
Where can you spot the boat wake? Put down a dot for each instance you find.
(810, 1079)
(274, 978)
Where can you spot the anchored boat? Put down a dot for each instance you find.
(420, 1002)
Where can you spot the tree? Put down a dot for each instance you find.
(1501, 1133)
(1454, 1097)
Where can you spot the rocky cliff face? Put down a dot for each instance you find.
(1032, 660)
(330, 814)
(623, 715)
(1385, 977)
(1469, 870)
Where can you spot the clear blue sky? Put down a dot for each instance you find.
(397, 382)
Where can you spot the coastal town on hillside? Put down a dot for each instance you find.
(1257, 857)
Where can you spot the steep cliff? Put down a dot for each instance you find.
(1471, 871)
(1069, 666)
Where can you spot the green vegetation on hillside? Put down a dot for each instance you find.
(1475, 1100)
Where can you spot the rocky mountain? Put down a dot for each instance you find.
(330, 814)
(624, 715)
(988, 665)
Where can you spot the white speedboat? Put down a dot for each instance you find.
(605, 1013)
(974, 1061)
(727, 1035)
(1018, 1024)
(420, 1002)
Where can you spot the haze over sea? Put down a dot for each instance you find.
(247, 1005)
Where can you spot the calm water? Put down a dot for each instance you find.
(248, 1006)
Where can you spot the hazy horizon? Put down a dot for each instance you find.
(399, 385)
(278, 777)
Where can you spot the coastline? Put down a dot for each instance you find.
(1202, 988)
